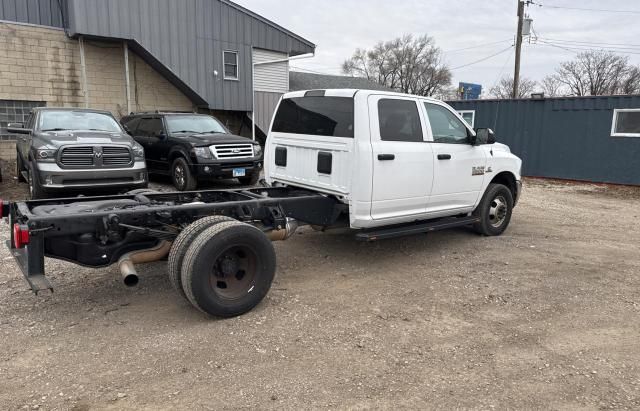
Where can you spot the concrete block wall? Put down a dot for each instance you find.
(8, 150)
(43, 64)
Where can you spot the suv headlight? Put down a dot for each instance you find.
(203, 152)
(46, 155)
(257, 150)
(138, 151)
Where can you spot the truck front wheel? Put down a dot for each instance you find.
(35, 187)
(181, 175)
(228, 269)
(494, 210)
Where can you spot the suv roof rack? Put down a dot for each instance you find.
(163, 112)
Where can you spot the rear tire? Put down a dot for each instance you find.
(19, 168)
(250, 180)
(35, 188)
(494, 210)
(228, 269)
(181, 175)
(182, 243)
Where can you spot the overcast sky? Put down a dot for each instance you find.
(338, 27)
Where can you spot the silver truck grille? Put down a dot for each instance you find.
(95, 157)
(232, 151)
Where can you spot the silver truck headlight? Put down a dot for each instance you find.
(203, 152)
(257, 150)
(46, 155)
(138, 151)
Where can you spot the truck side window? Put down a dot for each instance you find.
(132, 123)
(399, 120)
(150, 127)
(445, 126)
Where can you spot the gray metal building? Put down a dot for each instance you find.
(211, 50)
(594, 139)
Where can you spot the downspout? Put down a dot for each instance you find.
(126, 76)
(83, 65)
(253, 83)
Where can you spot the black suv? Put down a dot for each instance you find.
(194, 147)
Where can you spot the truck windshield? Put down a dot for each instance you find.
(53, 120)
(315, 115)
(194, 124)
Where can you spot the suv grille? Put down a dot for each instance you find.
(232, 151)
(95, 157)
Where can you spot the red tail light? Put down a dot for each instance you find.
(20, 235)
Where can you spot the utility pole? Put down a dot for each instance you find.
(516, 72)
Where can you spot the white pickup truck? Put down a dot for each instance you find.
(384, 164)
(392, 158)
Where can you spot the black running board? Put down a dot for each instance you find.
(416, 228)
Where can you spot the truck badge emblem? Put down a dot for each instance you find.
(477, 171)
(97, 154)
(235, 151)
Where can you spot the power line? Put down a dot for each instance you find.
(476, 46)
(573, 48)
(587, 9)
(592, 43)
(482, 59)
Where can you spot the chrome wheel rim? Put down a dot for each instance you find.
(498, 211)
(179, 176)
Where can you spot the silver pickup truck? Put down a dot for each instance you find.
(69, 149)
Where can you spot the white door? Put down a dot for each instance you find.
(402, 159)
(459, 167)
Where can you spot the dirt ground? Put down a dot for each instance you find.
(545, 316)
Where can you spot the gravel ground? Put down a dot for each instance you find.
(545, 316)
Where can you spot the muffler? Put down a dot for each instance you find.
(285, 232)
(127, 262)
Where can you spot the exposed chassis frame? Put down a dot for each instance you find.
(100, 238)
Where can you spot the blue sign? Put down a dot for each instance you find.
(469, 91)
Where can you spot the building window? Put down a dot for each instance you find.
(15, 111)
(626, 122)
(469, 116)
(230, 65)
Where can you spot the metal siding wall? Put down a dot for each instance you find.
(564, 137)
(40, 12)
(188, 37)
(271, 77)
(266, 103)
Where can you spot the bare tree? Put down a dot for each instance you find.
(630, 84)
(408, 64)
(552, 86)
(594, 73)
(504, 88)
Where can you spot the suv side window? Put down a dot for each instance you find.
(399, 120)
(445, 126)
(131, 123)
(150, 127)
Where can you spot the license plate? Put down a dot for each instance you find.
(239, 172)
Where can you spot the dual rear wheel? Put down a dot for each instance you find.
(222, 266)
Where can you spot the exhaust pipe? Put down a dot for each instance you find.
(285, 232)
(127, 262)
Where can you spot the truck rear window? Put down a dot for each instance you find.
(315, 115)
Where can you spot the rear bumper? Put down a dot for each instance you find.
(53, 177)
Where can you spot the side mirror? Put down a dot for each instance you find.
(17, 128)
(484, 136)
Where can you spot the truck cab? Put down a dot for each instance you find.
(392, 158)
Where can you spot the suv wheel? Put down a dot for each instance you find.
(35, 188)
(181, 176)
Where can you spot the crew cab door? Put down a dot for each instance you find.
(402, 159)
(459, 167)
